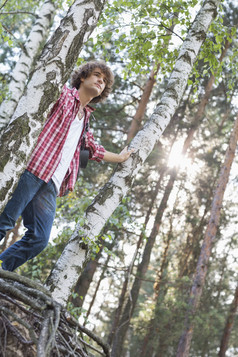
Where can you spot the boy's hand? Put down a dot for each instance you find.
(125, 154)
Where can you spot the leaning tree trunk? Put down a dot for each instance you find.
(35, 40)
(84, 281)
(202, 265)
(229, 325)
(122, 303)
(158, 297)
(219, 289)
(137, 119)
(142, 268)
(64, 275)
(52, 70)
(102, 276)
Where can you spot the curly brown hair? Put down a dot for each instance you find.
(86, 69)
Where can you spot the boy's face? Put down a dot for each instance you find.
(95, 83)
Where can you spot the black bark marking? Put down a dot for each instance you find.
(77, 42)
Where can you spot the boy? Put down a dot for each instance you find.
(54, 164)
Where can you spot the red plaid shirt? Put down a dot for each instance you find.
(48, 151)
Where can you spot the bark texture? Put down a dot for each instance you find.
(64, 275)
(51, 72)
(35, 40)
(202, 265)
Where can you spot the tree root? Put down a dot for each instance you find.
(32, 324)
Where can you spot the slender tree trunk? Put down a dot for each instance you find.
(228, 326)
(195, 235)
(118, 311)
(150, 335)
(137, 119)
(141, 271)
(85, 279)
(87, 275)
(51, 72)
(35, 40)
(82, 286)
(201, 271)
(64, 275)
(201, 108)
(97, 288)
(218, 288)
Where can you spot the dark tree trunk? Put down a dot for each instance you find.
(97, 288)
(84, 281)
(137, 119)
(141, 271)
(148, 346)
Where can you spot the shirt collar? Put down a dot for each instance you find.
(75, 93)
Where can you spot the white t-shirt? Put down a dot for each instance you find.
(68, 151)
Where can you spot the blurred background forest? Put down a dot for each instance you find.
(134, 291)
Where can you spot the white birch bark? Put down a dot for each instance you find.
(36, 38)
(52, 70)
(65, 273)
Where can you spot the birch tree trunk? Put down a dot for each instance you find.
(64, 275)
(52, 71)
(202, 265)
(21, 72)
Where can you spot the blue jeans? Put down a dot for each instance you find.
(35, 201)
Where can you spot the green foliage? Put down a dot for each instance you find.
(16, 20)
(39, 267)
(74, 310)
(211, 51)
(141, 32)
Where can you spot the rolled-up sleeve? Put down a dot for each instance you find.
(96, 151)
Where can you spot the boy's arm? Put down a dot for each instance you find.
(98, 152)
(123, 156)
